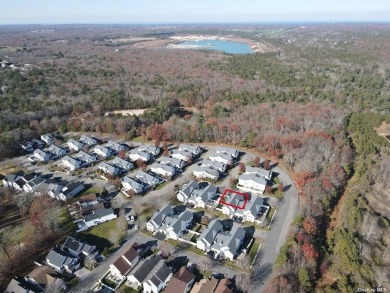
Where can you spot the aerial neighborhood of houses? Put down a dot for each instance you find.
(206, 216)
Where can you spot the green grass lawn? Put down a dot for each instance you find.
(270, 213)
(254, 248)
(109, 283)
(92, 189)
(140, 139)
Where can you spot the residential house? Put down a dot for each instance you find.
(180, 282)
(251, 208)
(45, 276)
(10, 179)
(224, 243)
(20, 284)
(33, 184)
(224, 286)
(148, 178)
(152, 150)
(75, 145)
(108, 169)
(56, 151)
(88, 140)
(196, 193)
(48, 138)
(259, 172)
(125, 262)
(19, 184)
(205, 286)
(224, 150)
(251, 183)
(99, 216)
(28, 146)
(135, 155)
(122, 164)
(177, 163)
(54, 189)
(205, 173)
(224, 158)
(103, 151)
(129, 183)
(195, 150)
(117, 147)
(220, 167)
(37, 143)
(71, 163)
(170, 222)
(41, 155)
(86, 158)
(181, 155)
(62, 261)
(152, 273)
(163, 170)
(88, 200)
(79, 249)
(70, 190)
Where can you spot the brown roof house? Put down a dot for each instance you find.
(224, 286)
(205, 286)
(181, 281)
(124, 263)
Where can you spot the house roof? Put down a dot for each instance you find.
(226, 150)
(40, 153)
(166, 168)
(70, 187)
(148, 148)
(183, 153)
(97, 214)
(21, 285)
(247, 177)
(140, 153)
(147, 178)
(133, 183)
(160, 214)
(258, 171)
(11, 177)
(85, 156)
(55, 149)
(70, 160)
(213, 164)
(59, 257)
(186, 147)
(109, 168)
(76, 143)
(77, 245)
(224, 286)
(88, 140)
(225, 156)
(119, 162)
(102, 149)
(122, 265)
(114, 145)
(184, 275)
(206, 170)
(42, 275)
(171, 161)
(205, 286)
(147, 268)
(195, 189)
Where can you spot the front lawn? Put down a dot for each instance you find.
(253, 250)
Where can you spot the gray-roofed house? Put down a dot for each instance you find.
(129, 183)
(122, 164)
(116, 146)
(181, 155)
(99, 216)
(88, 140)
(71, 163)
(135, 155)
(57, 151)
(220, 167)
(48, 138)
(70, 190)
(74, 144)
(163, 170)
(251, 183)
(195, 150)
(249, 213)
(103, 151)
(62, 261)
(10, 179)
(205, 173)
(86, 158)
(38, 143)
(224, 243)
(19, 184)
(224, 158)
(108, 169)
(259, 172)
(170, 222)
(224, 150)
(23, 285)
(79, 249)
(177, 163)
(154, 151)
(33, 184)
(198, 194)
(54, 189)
(41, 155)
(152, 273)
(147, 178)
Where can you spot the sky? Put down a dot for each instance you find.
(191, 11)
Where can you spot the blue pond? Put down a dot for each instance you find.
(219, 45)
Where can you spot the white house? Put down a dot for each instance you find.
(116, 146)
(229, 151)
(62, 261)
(177, 163)
(220, 167)
(154, 151)
(71, 163)
(70, 190)
(151, 273)
(21, 181)
(99, 216)
(56, 150)
(125, 262)
(135, 155)
(122, 164)
(54, 189)
(181, 155)
(10, 179)
(86, 158)
(48, 138)
(195, 150)
(129, 183)
(88, 140)
(259, 172)
(251, 210)
(108, 169)
(103, 151)
(251, 183)
(205, 173)
(41, 156)
(33, 184)
(221, 157)
(74, 144)
(198, 194)
(169, 222)
(79, 248)
(225, 243)
(148, 178)
(163, 170)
